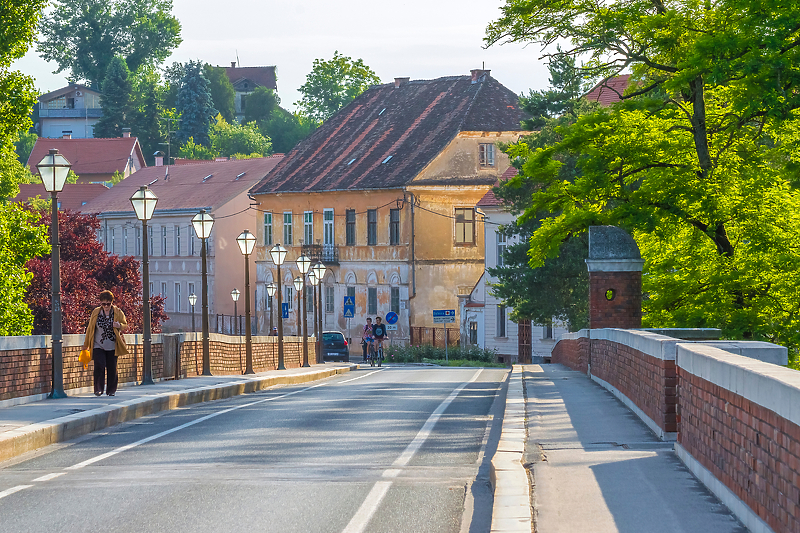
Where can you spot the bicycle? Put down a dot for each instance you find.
(371, 354)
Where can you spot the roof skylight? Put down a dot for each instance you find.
(351, 162)
(207, 177)
(386, 160)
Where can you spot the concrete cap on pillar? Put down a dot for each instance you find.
(612, 249)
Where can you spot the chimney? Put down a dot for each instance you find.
(233, 64)
(400, 81)
(159, 156)
(66, 135)
(479, 74)
(126, 133)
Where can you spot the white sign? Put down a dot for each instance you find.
(391, 327)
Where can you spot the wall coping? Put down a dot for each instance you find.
(36, 342)
(614, 265)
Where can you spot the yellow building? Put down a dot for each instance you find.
(384, 194)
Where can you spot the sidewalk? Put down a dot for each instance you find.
(31, 426)
(597, 467)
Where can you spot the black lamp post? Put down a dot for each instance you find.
(319, 272)
(298, 286)
(53, 169)
(192, 301)
(312, 279)
(271, 287)
(278, 255)
(235, 297)
(246, 242)
(203, 222)
(144, 204)
(303, 264)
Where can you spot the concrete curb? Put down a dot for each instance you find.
(512, 501)
(35, 436)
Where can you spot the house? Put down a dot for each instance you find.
(245, 80)
(74, 195)
(72, 110)
(609, 91)
(93, 160)
(384, 194)
(175, 265)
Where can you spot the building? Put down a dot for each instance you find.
(70, 111)
(609, 91)
(175, 267)
(384, 194)
(245, 80)
(74, 195)
(93, 160)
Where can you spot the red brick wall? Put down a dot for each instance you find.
(751, 449)
(625, 309)
(572, 353)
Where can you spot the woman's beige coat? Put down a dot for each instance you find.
(119, 316)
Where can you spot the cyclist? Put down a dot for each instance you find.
(367, 338)
(379, 331)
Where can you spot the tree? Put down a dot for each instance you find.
(146, 111)
(195, 105)
(261, 103)
(115, 99)
(697, 161)
(192, 150)
(83, 36)
(222, 94)
(230, 139)
(286, 129)
(86, 270)
(24, 146)
(333, 84)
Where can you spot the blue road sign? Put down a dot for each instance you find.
(391, 317)
(349, 300)
(349, 308)
(444, 316)
(285, 309)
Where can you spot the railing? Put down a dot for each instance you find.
(327, 253)
(92, 112)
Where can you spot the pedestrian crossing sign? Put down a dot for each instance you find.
(349, 300)
(348, 313)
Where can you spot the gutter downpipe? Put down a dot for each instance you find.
(413, 256)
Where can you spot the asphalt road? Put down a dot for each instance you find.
(393, 449)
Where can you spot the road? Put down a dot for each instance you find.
(393, 449)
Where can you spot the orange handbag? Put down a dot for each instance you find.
(84, 358)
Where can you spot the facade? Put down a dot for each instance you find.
(71, 110)
(245, 80)
(93, 160)
(174, 250)
(384, 194)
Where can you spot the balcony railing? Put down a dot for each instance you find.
(92, 112)
(327, 253)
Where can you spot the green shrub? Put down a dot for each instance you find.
(428, 353)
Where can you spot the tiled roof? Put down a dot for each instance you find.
(90, 156)
(608, 91)
(386, 136)
(64, 90)
(72, 197)
(489, 199)
(261, 76)
(188, 186)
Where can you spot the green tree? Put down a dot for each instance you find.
(234, 138)
(146, 111)
(697, 161)
(115, 100)
(222, 93)
(195, 105)
(261, 103)
(333, 84)
(191, 150)
(24, 146)
(286, 129)
(84, 36)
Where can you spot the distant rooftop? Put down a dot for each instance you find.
(609, 91)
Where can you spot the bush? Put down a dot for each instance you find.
(428, 353)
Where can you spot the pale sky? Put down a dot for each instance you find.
(415, 38)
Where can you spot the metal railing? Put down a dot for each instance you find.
(327, 253)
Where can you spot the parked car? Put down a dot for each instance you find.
(334, 347)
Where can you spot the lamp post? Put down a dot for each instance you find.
(319, 272)
(303, 265)
(235, 297)
(278, 255)
(312, 279)
(298, 286)
(271, 292)
(203, 222)
(246, 242)
(192, 301)
(144, 204)
(53, 169)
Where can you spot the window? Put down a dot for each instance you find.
(501, 320)
(396, 300)
(486, 152)
(287, 229)
(164, 289)
(178, 298)
(191, 289)
(113, 240)
(150, 247)
(164, 241)
(177, 237)
(124, 241)
(309, 290)
(473, 333)
(267, 229)
(372, 227)
(151, 289)
(308, 227)
(327, 227)
(289, 298)
(547, 331)
(193, 243)
(394, 226)
(329, 298)
(350, 217)
(351, 293)
(372, 301)
(138, 241)
(501, 248)
(243, 100)
(465, 226)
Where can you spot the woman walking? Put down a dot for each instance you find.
(104, 334)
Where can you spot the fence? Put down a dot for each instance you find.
(434, 336)
(227, 325)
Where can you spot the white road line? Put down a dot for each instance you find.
(12, 490)
(373, 500)
(359, 377)
(48, 477)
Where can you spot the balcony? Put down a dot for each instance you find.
(327, 253)
(92, 112)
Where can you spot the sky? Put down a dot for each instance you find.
(415, 38)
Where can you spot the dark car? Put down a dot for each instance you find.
(334, 347)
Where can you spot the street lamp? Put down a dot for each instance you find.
(312, 279)
(144, 204)
(192, 301)
(319, 272)
(53, 169)
(203, 222)
(301, 320)
(246, 242)
(303, 264)
(271, 287)
(235, 297)
(278, 255)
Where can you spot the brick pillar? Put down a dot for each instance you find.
(615, 279)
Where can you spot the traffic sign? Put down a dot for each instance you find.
(391, 318)
(391, 327)
(349, 308)
(285, 306)
(349, 311)
(444, 316)
(349, 300)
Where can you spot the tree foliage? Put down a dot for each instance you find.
(147, 108)
(286, 129)
(24, 146)
(83, 36)
(195, 105)
(699, 160)
(115, 98)
(333, 84)
(234, 138)
(222, 94)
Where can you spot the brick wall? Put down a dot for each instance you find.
(572, 353)
(624, 310)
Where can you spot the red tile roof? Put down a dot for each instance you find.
(386, 136)
(90, 156)
(608, 91)
(489, 199)
(188, 186)
(260, 76)
(74, 195)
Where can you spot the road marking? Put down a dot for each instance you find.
(12, 490)
(182, 426)
(364, 514)
(48, 477)
(359, 377)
